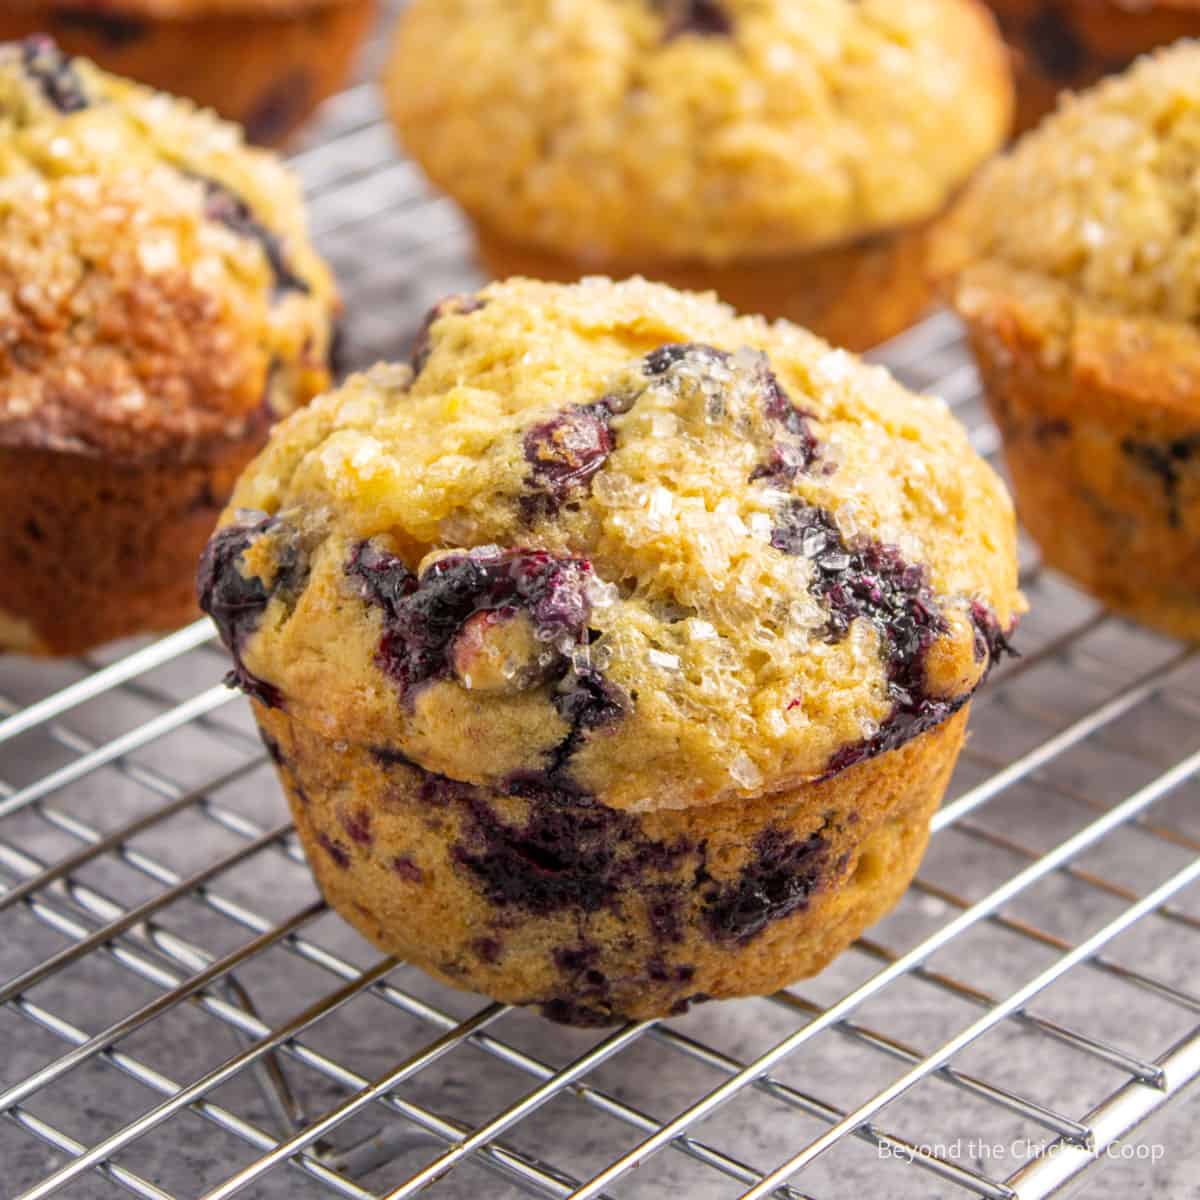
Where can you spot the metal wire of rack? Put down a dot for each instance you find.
(183, 1017)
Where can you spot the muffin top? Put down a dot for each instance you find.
(157, 287)
(1097, 208)
(614, 537)
(698, 129)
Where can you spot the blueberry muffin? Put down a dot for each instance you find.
(160, 305)
(1082, 296)
(1070, 44)
(795, 158)
(264, 63)
(615, 654)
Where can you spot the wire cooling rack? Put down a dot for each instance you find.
(181, 1016)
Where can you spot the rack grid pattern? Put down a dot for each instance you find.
(181, 1016)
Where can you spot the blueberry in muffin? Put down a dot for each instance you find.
(263, 63)
(615, 653)
(1062, 45)
(160, 306)
(1081, 294)
(794, 158)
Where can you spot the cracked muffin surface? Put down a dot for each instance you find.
(1078, 257)
(594, 127)
(160, 306)
(614, 537)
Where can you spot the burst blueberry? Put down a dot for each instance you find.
(55, 74)
(781, 876)
(236, 601)
(564, 454)
(224, 206)
(423, 342)
(422, 618)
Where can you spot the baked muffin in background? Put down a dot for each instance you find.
(160, 306)
(794, 158)
(616, 653)
(263, 63)
(1071, 44)
(1082, 299)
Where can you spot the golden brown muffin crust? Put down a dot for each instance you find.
(625, 129)
(762, 538)
(1102, 200)
(158, 294)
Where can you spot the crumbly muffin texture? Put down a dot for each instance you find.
(1100, 202)
(614, 538)
(703, 130)
(158, 293)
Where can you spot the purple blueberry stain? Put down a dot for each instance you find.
(680, 1007)
(407, 869)
(225, 207)
(568, 853)
(700, 18)
(785, 461)
(781, 876)
(357, 825)
(488, 949)
(865, 579)
(586, 701)
(1049, 430)
(665, 358)
(54, 73)
(588, 987)
(664, 911)
(795, 447)
(280, 107)
(575, 959)
(389, 756)
(236, 602)
(564, 453)
(1054, 43)
(272, 747)
(382, 579)
(569, 1011)
(336, 851)
(1167, 461)
(659, 970)
(991, 641)
(115, 31)
(462, 305)
(337, 357)
(798, 449)
(422, 616)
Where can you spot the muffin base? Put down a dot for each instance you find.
(854, 295)
(268, 71)
(1070, 44)
(1103, 446)
(92, 550)
(597, 915)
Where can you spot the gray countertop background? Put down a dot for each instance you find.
(396, 249)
